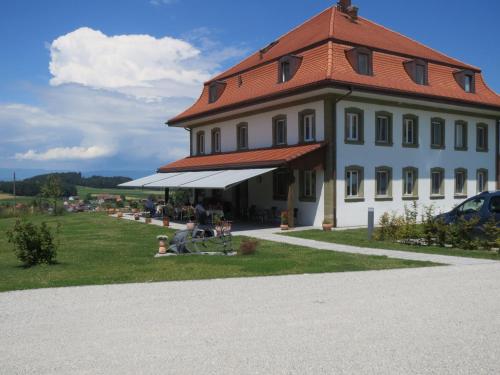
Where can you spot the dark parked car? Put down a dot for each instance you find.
(484, 205)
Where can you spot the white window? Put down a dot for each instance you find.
(460, 135)
(437, 134)
(308, 128)
(482, 137)
(200, 143)
(468, 83)
(409, 132)
(408, 182)
(242, 137)
(363, 63)
(482, 181)
(420, 74)
(280, 130)
(382, 182)
(352, 183)
(436, 182)
(382, 129)
(308, 184)
(352, 127)
(216, 145)
(460, 182)
(285, 71)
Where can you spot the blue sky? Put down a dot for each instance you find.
(73, 95)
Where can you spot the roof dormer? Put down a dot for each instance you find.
(361, 60)
(215, 90)
(287, 67)
(418, 71)
(466, 79)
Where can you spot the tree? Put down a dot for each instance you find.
(52, 190)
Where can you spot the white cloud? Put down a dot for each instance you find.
(66, 153)
(138, 65)
(162, 2)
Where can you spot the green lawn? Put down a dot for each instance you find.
(96, 249)
(128, 193)
(359, 237)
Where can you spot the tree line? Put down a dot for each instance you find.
(69, 181)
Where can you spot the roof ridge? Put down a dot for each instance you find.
(332, 22)
(459, 63)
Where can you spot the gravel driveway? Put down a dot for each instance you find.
(439, 320)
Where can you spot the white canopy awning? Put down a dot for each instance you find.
(223, 179)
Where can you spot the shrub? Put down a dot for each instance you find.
(33, 244)
(491, 234)
(463, 234)
(428, 224)
(248, 247)
(389, 227)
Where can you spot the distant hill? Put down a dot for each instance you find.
(21, 174)
(69, 181)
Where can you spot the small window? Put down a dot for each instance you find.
(383, 182)
(354, 183)
(437, 182)
(482, 180)
(353, 129)
(410, 131)
(437, 133)
(420, 74)
(468, 83)
(279, 131)
(200, 143)
(215, 90)
(460, 182)
(363, 63)
(280, 184)
(461, 135)
(482, 137)
(383, 129)
(495, 205)
(307, 123)
(410, 181)
(307, 185)
(242, 136)
(285, 71)
(216, 141)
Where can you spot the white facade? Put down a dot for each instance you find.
(370, 156)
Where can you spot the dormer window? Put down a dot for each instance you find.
(361, 60)
(288, 66)
(466, 79)
(215, 90)
(417, 70)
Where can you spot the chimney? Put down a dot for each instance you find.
(343, 5)
(352, 11)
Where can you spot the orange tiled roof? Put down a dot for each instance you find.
(269, 157)
(321, 42)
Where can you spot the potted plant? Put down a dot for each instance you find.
(190, 215)
(284, 220)
(162, 243)
(148, 218)
(218, 225)
(327, 225)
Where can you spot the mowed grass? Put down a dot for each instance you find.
(97, 249)
(359, 237)
(9, 199)
(128, 193)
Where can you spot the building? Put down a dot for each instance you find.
(338, 115)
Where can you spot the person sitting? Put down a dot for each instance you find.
(200, 213)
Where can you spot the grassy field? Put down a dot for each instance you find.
(128, 193)
(96, 249)
(359, 237)
(9, 198)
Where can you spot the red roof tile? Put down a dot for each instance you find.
(321, 42)
(270, 157)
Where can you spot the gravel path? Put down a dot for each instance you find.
(437, 320)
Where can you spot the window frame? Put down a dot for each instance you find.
(388, 196)
(388, 115)
(484, 127)
(458, 194)
(352, 56)
(442, 123)
(200, 143)
(465, 136)
(277, 174)
(276, 120)
(302, 125)
(214, 132)
(360, 183)
(484, 172)
(241, 125)
(293, 63)
(215, 91)
(303, 186)
(415, 143)
(414, 194)
(360, 113)
(441, 193)
(461, 77)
